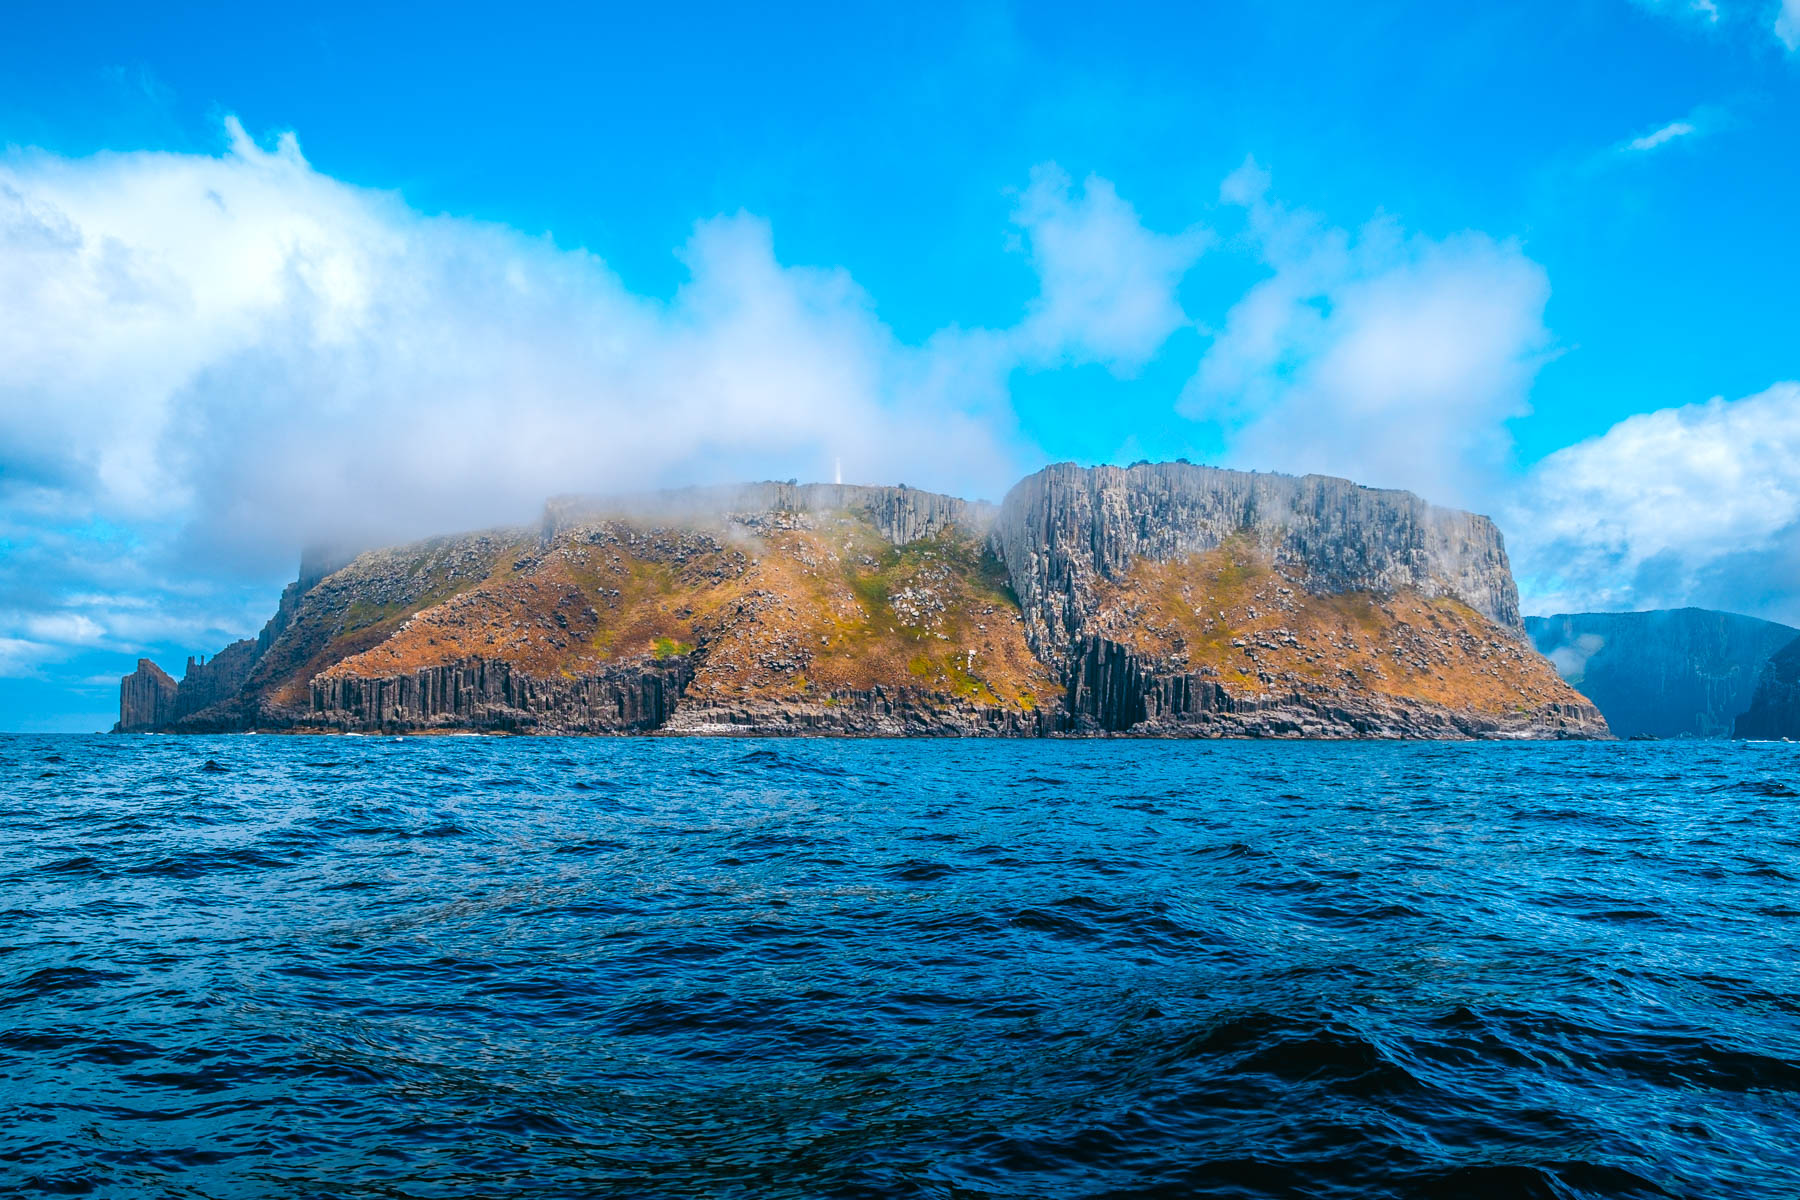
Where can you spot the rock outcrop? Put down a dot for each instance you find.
(1166, 601)
(146, 699)
(1114, 690)
(212, 681)
(1067, 529)
(478, 694)
(1774, 710)
(1685, 672)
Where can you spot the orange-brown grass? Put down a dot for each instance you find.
(838, 608)
(1233, 614)
(597, 595)
(362, 625)
(792, 608)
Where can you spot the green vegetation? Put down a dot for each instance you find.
(666, 648)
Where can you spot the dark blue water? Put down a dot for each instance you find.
(459, 967)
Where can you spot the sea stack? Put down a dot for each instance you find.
(146, 699)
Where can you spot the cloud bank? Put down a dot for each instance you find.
(212, 360)
(1693, 505)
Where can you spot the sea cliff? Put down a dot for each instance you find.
(1774, 710)
(1684, 672)
(1160, 599)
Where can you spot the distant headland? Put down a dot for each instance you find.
(1164, 599)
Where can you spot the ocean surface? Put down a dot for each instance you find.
(461, 967)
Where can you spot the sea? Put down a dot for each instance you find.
(487, 967)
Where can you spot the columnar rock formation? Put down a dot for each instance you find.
(146, 699)
(491, 695)
(1170, 600)
(210, 682)
(1064, 530)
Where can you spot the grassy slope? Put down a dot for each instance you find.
(791, 608)
(363, 606)
(1230, 614)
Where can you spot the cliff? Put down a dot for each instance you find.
(1066, 530)
(1684, 672)
(207, 683)
(1169, 600)
(1183, 599)
(146, 699)
(1774, 709)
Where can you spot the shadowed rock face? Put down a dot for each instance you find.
(1067, 528)
(1169, 601)
(1774, 710)
(490, 695)
(1685, 672)
(210, 682)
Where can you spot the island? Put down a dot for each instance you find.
(1160, 599)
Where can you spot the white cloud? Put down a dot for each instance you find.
(1699, 504)
(234, 354)
(67, 628)
(262, 353)
(1663, 136)
(1108, 284)
(1389, 357)
(20, 658)
(1787, 24)
(1786, 15)
(267, 354)
(1571, 660)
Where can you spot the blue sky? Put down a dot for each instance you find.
(1536, 259)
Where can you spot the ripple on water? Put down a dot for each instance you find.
(368, 968)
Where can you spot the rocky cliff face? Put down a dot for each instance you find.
(491, 696)
(1173, 601)
(146, 699)
(1067, 530)
(1684, 672)
(1774, 710)
(210, 682)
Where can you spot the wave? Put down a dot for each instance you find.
(361, 968)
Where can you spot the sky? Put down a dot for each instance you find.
(351, 274)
